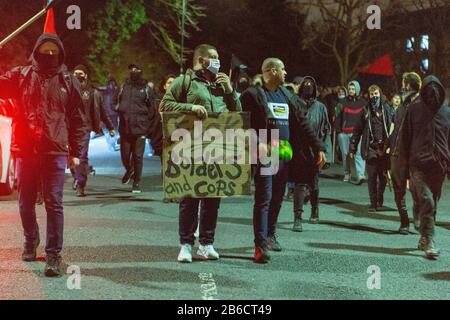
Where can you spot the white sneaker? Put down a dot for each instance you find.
(346, 178)
(185, 254)
(207, 252)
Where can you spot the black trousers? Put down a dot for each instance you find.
(308, 182)
(428, 188)
(377, 171)
(399, 175)
(132, 153)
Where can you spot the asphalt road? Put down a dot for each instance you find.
(126, 246)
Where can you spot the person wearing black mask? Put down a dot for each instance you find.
(95, 114)
(137, 111)
(48, 128)
(425, 148)
(304, 171)
(373, 129)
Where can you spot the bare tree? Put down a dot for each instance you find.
(338, 29)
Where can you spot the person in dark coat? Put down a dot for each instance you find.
(425, 146)
(137, 112)
(110, 94)
(48, 126)
(304, 170)
(372, 130)
(95, 115)
(411, 86)
(273, 107)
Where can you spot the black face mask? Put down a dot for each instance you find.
(308, 91)
(47, 61)
(135, 76)
(432, 96)
(83, 80)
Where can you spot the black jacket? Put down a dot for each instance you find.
(95, 109)
(316, 113)
(425, 136)
(363, 130)
(399, 117)
(254, 100)
(49, 115)
(136, 108)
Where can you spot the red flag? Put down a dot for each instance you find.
(49, 27)
(382, 66)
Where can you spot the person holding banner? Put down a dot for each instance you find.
(49, 125)
(277, 111)
(201, 90)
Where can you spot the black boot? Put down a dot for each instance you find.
(404, 223)
(299, 200)
(53, 267)
(314, 219)
(297, 222)
(29, 251)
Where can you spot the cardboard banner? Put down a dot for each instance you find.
(206, 159)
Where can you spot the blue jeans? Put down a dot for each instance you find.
(51, 169)
(269, 192)
(81, 175)
(360, 164)
(188, 220)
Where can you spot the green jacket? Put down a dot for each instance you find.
(188, 90)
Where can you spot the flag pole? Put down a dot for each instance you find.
(183, 26)
(27, 24)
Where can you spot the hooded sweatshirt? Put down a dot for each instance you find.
(49, 118)
(425, 134)
(350, 111)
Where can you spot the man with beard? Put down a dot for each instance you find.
(48, 126)
(349, 112)
(411, 86)
(200, 91)
(137, 112)
(95, 113)
(372, 130)
(425, 146)
(273, 107)
(303, 167)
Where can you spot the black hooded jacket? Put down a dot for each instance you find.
(49, 118)
(316, 112)
(94, 109)
(425, 136)
(136, 108)
(364, 130)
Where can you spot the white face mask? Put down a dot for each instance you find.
(214, 66)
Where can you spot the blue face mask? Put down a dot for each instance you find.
(375, 101)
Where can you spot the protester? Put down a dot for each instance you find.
(425, 145)
(396, 101)
(94, 114)
(201, 90)
(411, 85)
(110, 94)
(49, 125)
(349, 113)
(304, 170)
(137, 112)
(372, 131)
(272, 107)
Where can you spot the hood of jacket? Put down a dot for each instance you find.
(48, 38)
(302, 86)
(357, 87)
(428, 81)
